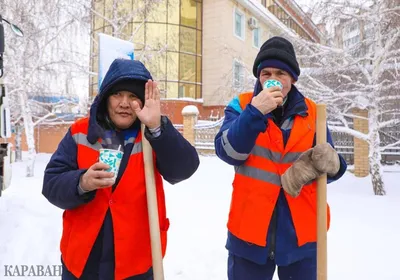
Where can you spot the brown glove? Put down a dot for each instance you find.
(326, 159)
(300, 173)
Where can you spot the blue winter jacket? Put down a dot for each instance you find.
(244, 127)
(176, 160)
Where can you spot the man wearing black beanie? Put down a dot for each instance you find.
(268, 135)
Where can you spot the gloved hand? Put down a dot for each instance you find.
(300, 173)
(326, 159)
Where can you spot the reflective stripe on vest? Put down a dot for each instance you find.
(229, 150)
(81, 139)
(257, 182)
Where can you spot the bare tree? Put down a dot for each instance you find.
(35, 65)
(360, 73)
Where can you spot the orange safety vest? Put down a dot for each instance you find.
(257, 182)
(128, 206)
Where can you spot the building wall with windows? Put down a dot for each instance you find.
(200, 52)
(289, 12)
(232, 39)
(230, 46)
(167, 37)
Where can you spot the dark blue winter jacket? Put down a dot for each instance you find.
(244, 127)
(176, 160)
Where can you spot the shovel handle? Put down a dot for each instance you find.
(156, 251)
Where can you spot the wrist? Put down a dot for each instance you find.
(154, 126)
(81, 191)
(155, 132)
(81, 184)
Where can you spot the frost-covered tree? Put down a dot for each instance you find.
(127, 20)
(359, 70)
(40, 63)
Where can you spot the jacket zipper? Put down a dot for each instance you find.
(274, 218)
(274, 221)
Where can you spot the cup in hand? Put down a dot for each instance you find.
(112, 158)
(272, 83)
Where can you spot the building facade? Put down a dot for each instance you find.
(232, 39)
(167, 38)
(199, 51)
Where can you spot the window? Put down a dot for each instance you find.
(238, 77)
(187, 40)
(256, 38)
(239, 24)
(188, 13)
(187, 67)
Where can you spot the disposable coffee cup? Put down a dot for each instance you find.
(272, 83)
(112, 158)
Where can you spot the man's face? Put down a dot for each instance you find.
(120, 108)
(282, 76)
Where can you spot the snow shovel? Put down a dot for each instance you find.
(152, 207)
(321, 201)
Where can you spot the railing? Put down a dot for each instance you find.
(179, 127)
(344, 144)
(205, 132)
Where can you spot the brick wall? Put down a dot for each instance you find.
(47, 138)
(361, 151)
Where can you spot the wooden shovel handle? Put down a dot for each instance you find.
(151, 193)
(321, 201)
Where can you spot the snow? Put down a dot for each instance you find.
(190, 110)
(199, 100)
(362, 242)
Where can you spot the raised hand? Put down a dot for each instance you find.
(150, 114)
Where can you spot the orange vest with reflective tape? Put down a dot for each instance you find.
(257, 182)
(128, 206)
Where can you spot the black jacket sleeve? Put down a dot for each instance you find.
(176, 158)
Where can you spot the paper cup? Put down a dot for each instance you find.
(112, 158)
(272, 83)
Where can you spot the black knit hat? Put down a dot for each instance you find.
(137, 87)
(277, 48)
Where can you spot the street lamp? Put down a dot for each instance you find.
(5, 123)
(14, 28)
(17, 31)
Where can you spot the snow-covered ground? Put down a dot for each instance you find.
(363, 240)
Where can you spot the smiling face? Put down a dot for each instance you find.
(120, 108)
(282, 76)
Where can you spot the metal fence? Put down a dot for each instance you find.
(344, 144)
(205, 133)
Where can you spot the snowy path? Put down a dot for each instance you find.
(363, 240)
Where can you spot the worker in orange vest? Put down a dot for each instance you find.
(105, 223)
(269, 137)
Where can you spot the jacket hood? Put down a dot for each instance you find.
(120, 69)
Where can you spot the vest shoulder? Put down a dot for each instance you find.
(245, 98)
(310, 102)
(80, 124)
(239, 102)
(311, 105)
